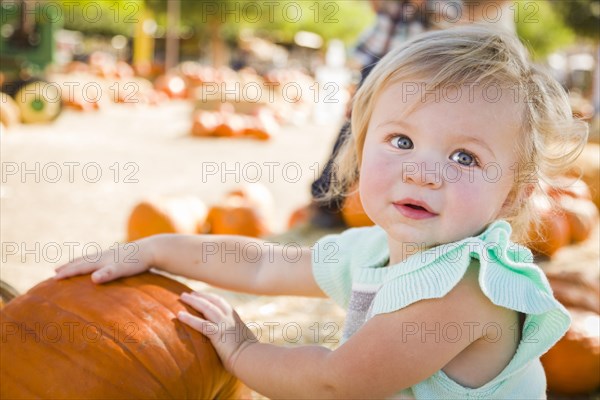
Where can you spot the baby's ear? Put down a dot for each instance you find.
(529, 188)
(517, 198)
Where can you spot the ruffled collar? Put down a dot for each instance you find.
(493, 243)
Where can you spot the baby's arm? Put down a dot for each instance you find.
(391, 352)
(232, 262)
(239, 263)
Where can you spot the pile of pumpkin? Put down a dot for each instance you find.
(226, 123)
(116, 80)
(573, 365)
(577, 199)
(245, 211)
(288, 94)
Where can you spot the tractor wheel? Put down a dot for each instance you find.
(38, 100)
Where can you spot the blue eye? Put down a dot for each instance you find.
(402, 142)
(464, 158)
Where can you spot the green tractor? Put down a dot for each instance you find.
(27, 47)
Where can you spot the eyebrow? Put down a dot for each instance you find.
(393, 122)
(459, 138)
(472, 139)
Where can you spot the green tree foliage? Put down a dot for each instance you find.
(277, 20)
(343, 20)
(106, 17)
(541, 27)
(583, 16)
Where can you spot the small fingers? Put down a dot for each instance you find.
(203, 326)
(105, 274)
(69, 265)
(211, 312)
(76, 268)
(215, 299)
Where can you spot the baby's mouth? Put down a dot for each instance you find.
(409, 209)
(415, 207)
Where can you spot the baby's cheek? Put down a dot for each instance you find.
(482, 199)
(375, 184)
(465, 197)
(372, 188)
(375, 173)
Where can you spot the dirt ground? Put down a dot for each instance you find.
(68, 188)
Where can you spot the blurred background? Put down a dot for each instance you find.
(121, 119)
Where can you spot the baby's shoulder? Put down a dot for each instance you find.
(469, 293)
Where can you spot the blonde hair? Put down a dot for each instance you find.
(551, 139)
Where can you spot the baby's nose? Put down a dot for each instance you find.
(422, 173)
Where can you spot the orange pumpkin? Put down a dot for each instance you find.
(582, 217)
(554, 231)
(258, 197)
(571, 222)
(74, 67)
(573, 364)
(298, 217)
(245, 211)
(226, 123)
(123, 70)
(173, 85)
(121, 340)
(185, 214)
(79, 102)
(577, 289)
(353, 212)
(588, 167)
(102, 64)
(205, 123)
(232, 125)
(262, 125)
(237, 216)
(254, 129)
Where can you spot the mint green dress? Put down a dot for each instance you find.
(351, 268)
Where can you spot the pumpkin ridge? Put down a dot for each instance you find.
(56, 349)
(175, 287)
(24, 389)
(5, 373)
(141, 288)
(155, 337)
(140, 284)
(107, 334)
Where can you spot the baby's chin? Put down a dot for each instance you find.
(410, 236)
(422, 239)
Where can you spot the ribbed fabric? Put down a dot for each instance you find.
(507, 277)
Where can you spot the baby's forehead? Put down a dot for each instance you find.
(472, 110)
(454, 91)
(407, 96)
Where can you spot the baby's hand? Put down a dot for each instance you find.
(126, 260)
(223, 326)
